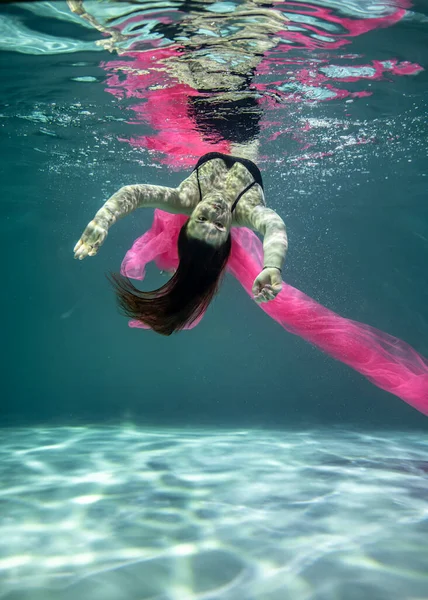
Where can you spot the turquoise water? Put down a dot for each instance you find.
(234, 460)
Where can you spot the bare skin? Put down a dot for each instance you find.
(210, 219)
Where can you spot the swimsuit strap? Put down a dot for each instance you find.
(230, 161)
(241, 194)
(199, 183)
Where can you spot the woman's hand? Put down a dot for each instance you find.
(92, 238)
(267, 285)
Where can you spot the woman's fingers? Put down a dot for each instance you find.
(264, 295)
(91, 240)
(82, 251)
(267, 293)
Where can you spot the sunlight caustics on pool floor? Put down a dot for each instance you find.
(127, 513)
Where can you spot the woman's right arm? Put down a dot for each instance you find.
(127, 199)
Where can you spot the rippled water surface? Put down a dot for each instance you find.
(330, 99)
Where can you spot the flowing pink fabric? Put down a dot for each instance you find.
(386, 361)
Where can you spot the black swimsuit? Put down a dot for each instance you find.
(230, 161)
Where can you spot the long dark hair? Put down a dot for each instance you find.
(185, 296)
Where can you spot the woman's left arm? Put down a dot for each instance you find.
(275, 244)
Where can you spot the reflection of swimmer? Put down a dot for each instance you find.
(223, 191)
(211, 60)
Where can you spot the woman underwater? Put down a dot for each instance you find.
(205, 226)
(223, 191)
